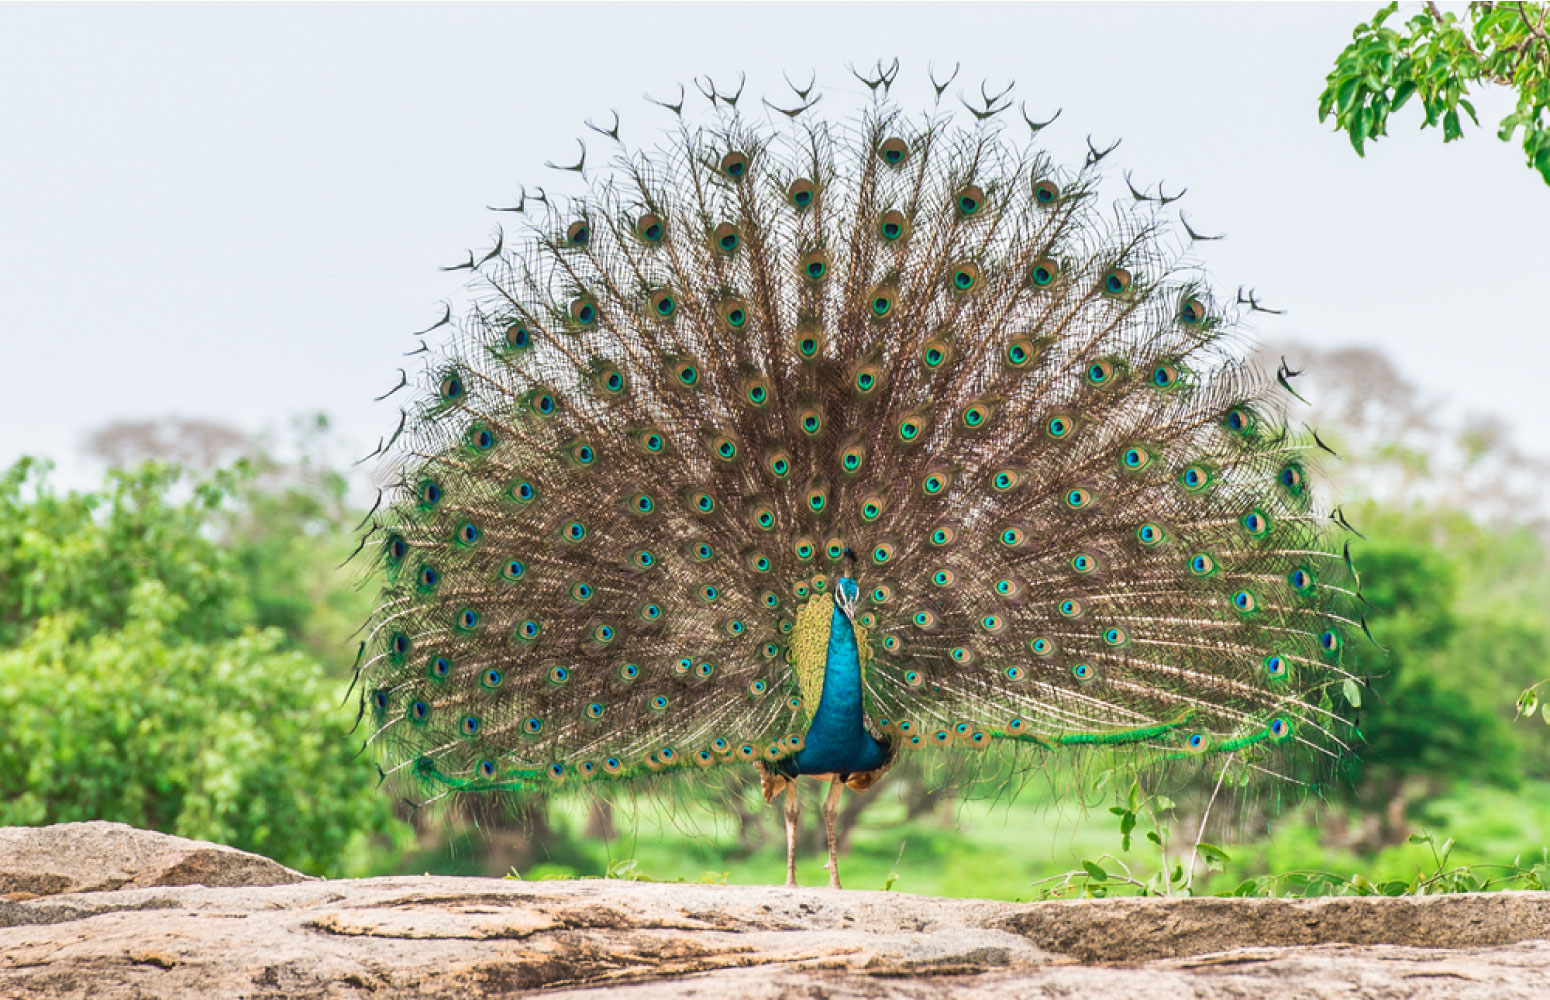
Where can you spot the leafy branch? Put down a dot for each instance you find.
(1436, 58)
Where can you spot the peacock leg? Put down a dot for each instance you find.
(831, 808)
(793, 806)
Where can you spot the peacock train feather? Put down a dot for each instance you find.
(793, 417)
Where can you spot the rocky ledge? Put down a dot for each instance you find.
(132, 923)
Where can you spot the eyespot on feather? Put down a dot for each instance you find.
(726, 238)
(650, 227)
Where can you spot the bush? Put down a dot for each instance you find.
(142, 691)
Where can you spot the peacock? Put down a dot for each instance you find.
(799, 443)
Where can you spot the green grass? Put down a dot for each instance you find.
(997, 850)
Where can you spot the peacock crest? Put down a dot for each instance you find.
(781, 349)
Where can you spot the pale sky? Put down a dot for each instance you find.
(238, 213)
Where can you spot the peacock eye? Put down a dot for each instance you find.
(583, 311)
(663, 305)
(726, 237)
(519, 336)
(1044, 273)
(1045, 192)
(650, 227)
(965, 277)
(1116, 282)
(800, 192)
(735, 164)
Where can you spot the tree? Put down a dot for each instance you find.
(1437, 57)
(137, 684)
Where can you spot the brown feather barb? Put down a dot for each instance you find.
(680, 397)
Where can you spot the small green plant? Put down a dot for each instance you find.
(1528, 702)
(1440, 880)
(1095, 881)
(1173, 877)
(893, 873)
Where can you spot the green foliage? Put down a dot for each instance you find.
(81, 555)
(136, 686)
(1092, 880)
(1454, 612)
(1436, 58)
(288, 531)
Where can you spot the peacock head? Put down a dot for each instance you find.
(846, 593)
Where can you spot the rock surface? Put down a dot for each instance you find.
(462, 937)
(97, 856)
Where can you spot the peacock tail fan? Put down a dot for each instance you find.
(1080, 522)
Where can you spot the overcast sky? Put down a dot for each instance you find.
(238, 213)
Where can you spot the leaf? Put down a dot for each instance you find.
(1212, 853)
(1346, 94)
(1419, 838)
(1163, 803)
(1094, 872)
(1528, 702)
(1356, 128)
(1353, 694)
(1402, 93)
(1152, 836)
(1451, 129)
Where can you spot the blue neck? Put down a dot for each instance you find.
(837, 740)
